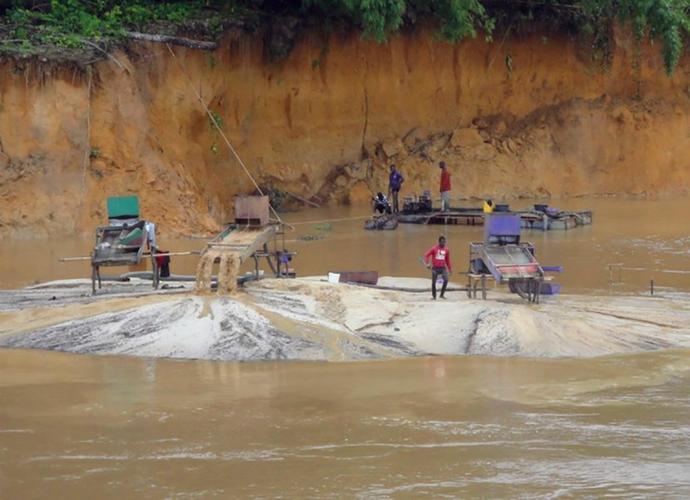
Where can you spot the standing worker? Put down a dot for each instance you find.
(438, 259)
(445, 187)
(395, 181)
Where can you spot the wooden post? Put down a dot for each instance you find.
(155, 271)
(274, 270)
(612, 271)
(651, 286)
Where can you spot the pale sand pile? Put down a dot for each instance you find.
(314, 320)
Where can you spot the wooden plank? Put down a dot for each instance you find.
(367, 277)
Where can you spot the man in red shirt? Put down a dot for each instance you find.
(445, 187)
(438, 259)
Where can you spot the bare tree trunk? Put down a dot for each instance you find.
(185, 42)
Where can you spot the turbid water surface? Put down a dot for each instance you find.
(94, 427)
(651, 238)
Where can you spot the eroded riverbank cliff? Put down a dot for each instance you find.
(525, 116)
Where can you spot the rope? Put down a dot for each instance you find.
(220, 130)
(87, 153)
(345, 219)
(646, 269)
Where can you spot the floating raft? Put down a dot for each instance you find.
(473, 217)
(563, 221)
(456, 216)
(381, 223)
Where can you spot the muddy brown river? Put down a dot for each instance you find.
(651, 239)
(74, 426)
(93, 427)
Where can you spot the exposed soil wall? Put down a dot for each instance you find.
(529, 116)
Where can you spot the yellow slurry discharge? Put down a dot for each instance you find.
(311, 319)
(230, 252)
(228, 269)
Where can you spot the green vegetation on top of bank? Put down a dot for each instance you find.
(69, 22)
(69, 28)
(32, 27)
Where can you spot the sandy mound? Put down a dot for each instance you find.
(314, 320)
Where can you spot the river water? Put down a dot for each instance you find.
(89, 427)
(651, 239)
(115, 427)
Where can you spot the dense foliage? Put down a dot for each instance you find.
(665, 20)
(70, 22)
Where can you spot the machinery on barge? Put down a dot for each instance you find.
(503, 257)
(418, 210)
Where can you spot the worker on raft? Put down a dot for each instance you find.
(445, 187)
(438, 259)
(381, 204)
(395, 182)
(488, 206)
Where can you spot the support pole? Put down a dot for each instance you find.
(156, 271)
(275, 271)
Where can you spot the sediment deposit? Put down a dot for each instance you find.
(309, 319)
